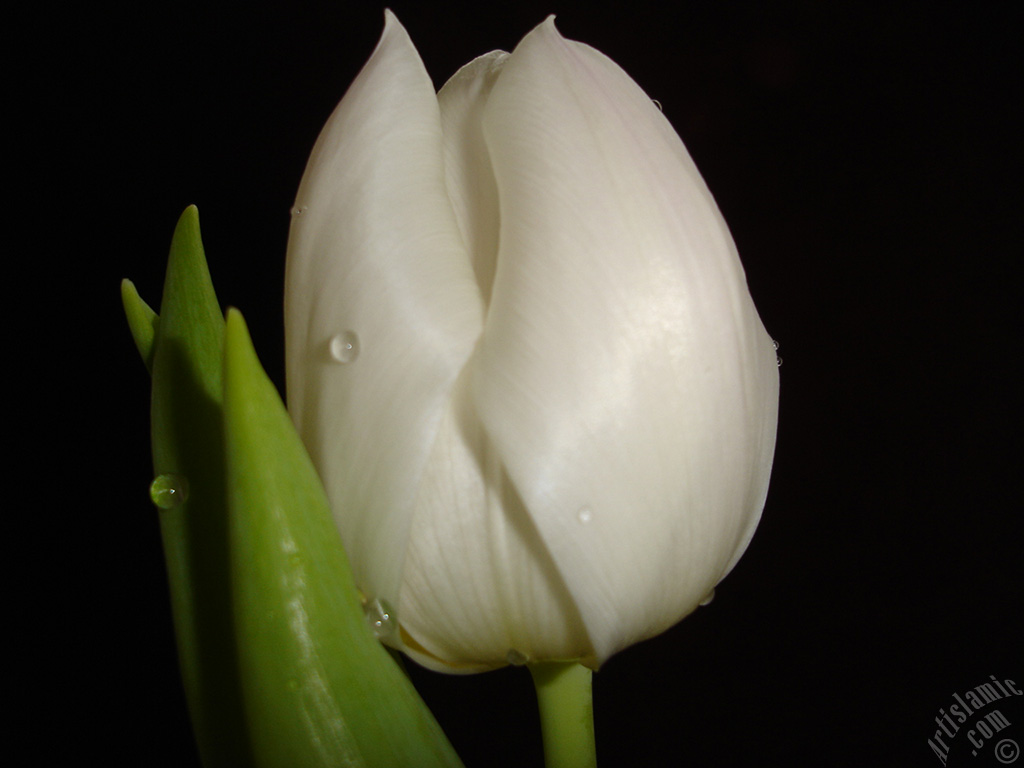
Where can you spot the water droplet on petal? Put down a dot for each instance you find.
(778, 361)
(381, 617)
(708, 598)
(585, 515)
(516, 658)
(297, 210)
(775, 344)
(658, 105)
(169, 491)
(344, 347)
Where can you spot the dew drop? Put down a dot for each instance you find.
(516, 658)
(585, 515)
(658, 105)
(344, 347)
(381, 617)
(297, 210)
(778, 361)
(708, 598)
(169, 491)
(775, 344)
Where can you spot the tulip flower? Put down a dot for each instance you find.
(523, 357)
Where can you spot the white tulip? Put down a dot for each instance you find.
(523, 357)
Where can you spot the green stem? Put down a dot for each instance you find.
(566, 713)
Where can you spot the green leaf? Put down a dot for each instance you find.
(188, 453)
(279, 664)
(319, 689)
(142, 321)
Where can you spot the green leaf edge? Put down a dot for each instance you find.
(187, 440)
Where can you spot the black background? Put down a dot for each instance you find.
(866, 158)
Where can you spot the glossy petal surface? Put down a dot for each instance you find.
(377, 275)
(624, 375)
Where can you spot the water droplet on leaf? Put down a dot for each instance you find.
(344, 347)
(516, 658)
(381, 617)
(169, 491)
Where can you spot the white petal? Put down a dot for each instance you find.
(471, 185)
(375, 251)
(624, 375)
(478, 582)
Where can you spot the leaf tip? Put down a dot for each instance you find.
(142, 321)
(240, 360)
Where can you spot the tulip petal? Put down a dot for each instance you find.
(478, 582)
(479, 585)
(471, 184)
(382, 308)
(624, 376)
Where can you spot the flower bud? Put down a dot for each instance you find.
(522, 354)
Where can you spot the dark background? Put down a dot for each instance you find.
(866, 157)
